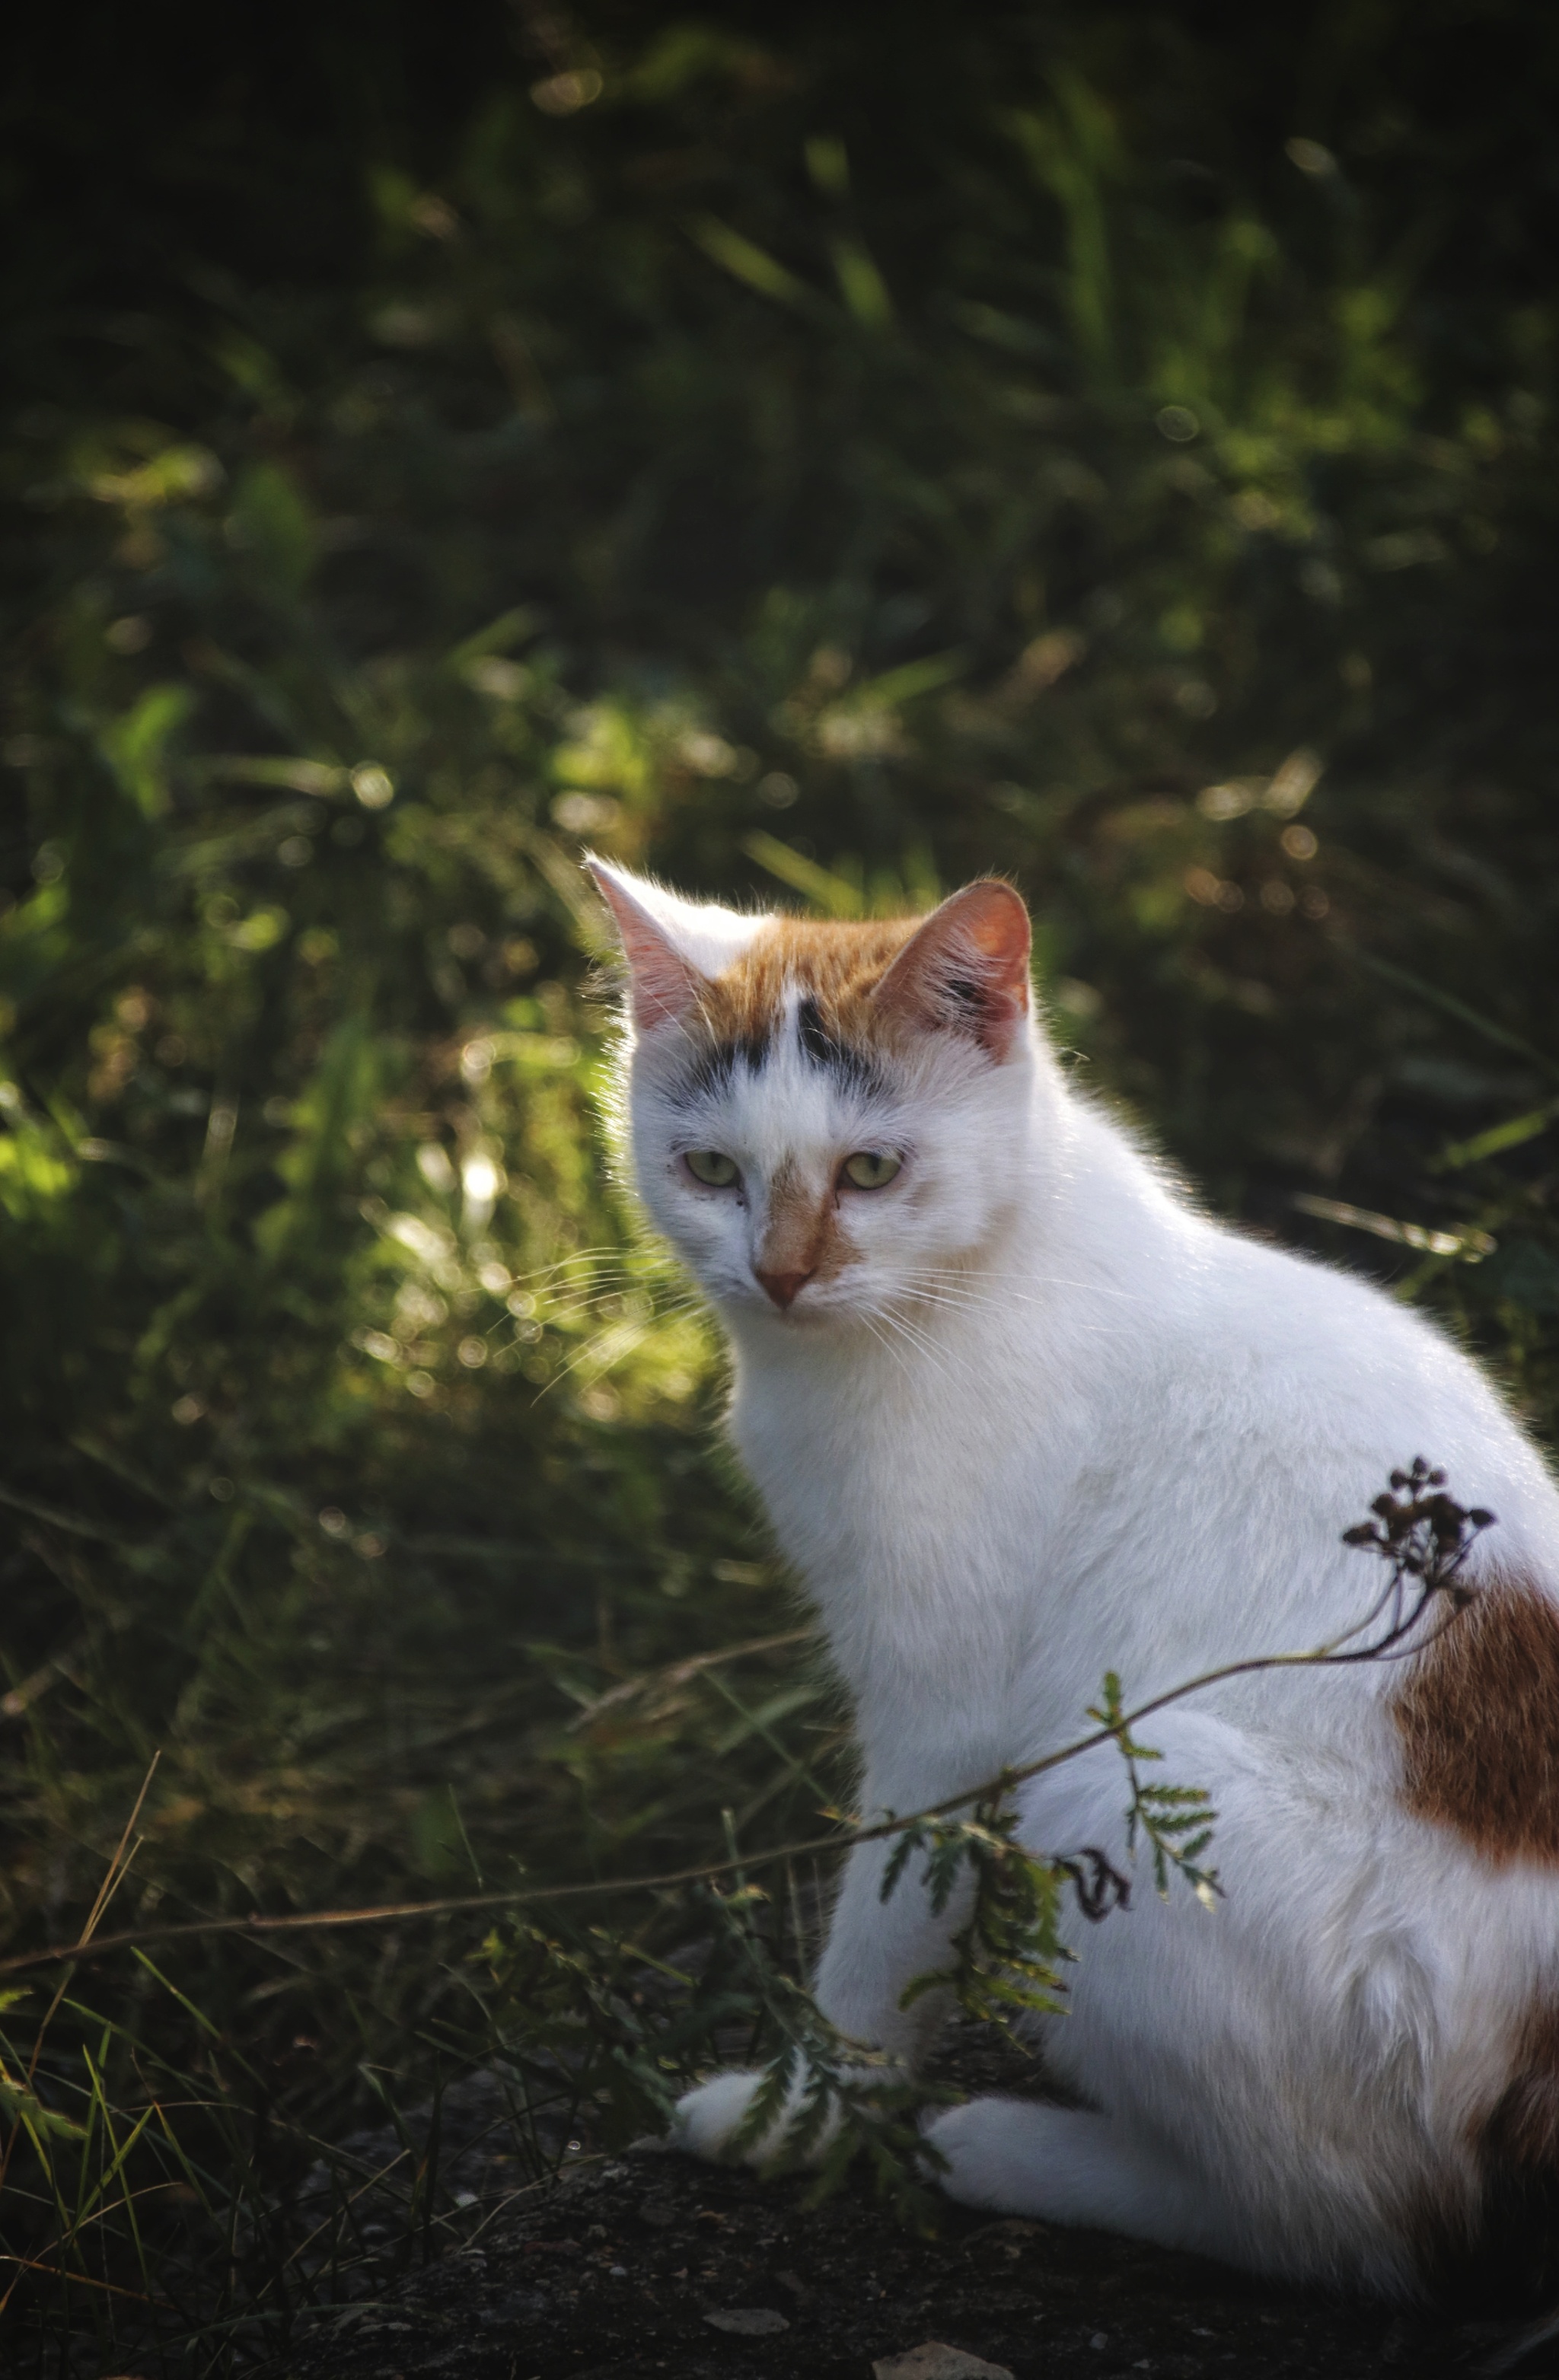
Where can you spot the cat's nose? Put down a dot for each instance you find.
(782, 1286)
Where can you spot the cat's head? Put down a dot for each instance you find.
(826, 1119)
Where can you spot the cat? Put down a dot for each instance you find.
(1020, 1412)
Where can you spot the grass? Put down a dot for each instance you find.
(1101, 448)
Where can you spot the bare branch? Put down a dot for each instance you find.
(1421, 1532)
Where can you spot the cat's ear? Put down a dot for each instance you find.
(966, 969)
(674, 948)
(662, 983)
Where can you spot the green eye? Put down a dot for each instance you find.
(870, 1169)
(710, 1166)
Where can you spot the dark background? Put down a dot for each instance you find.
(816, 454)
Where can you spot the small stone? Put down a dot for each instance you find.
(935, 2361)
(1100, 2339)
(758, 2322)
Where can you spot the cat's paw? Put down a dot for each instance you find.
(709, 2117)
(978, 2146)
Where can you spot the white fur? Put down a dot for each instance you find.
(1055, 1420)
(707, 936)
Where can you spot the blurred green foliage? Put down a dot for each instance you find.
(819, 458)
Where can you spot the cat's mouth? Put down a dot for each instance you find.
(801, 1304)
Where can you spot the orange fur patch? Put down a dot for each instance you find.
(838, 966)
(1479, 1719)
(1498, 2252)
(965, 966)
(1523, 2131)
(802, 1235)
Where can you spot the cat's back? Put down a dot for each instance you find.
(1177, 1325)
(1331, 1369)
(1232, 1408)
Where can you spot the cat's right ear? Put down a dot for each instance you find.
(966, 968)
(662, 983)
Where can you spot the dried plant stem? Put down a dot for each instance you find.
(681, 1673)
(119, 1864)
(259, 1926)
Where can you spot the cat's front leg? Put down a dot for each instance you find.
(875, 1947)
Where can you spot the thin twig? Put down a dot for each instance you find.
(257, 1925)
(680, 1674)
(60, 2272)
(119, 1862)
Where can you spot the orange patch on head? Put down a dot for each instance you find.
(1479, 1719)
(835, 967)
(966, 967)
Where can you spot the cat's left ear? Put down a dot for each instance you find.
(661, 982)
(966, 969)
(674, 948)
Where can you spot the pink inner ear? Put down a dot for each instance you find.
(661, 983)
(966, 968)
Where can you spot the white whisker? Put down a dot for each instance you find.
(884, 1340)
(1007, 1289)
(942, 1360)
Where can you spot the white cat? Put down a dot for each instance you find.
(1020, 1412)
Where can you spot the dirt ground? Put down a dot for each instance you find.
(650, 2265)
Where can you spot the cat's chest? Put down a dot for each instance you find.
(923, 1528)
(867, 1482)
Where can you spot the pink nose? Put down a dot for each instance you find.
(782, 1286)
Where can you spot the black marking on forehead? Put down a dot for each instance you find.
(714, 1069)
(855, 1070)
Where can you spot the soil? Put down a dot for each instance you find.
(624, 2270)
(648, 2264)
